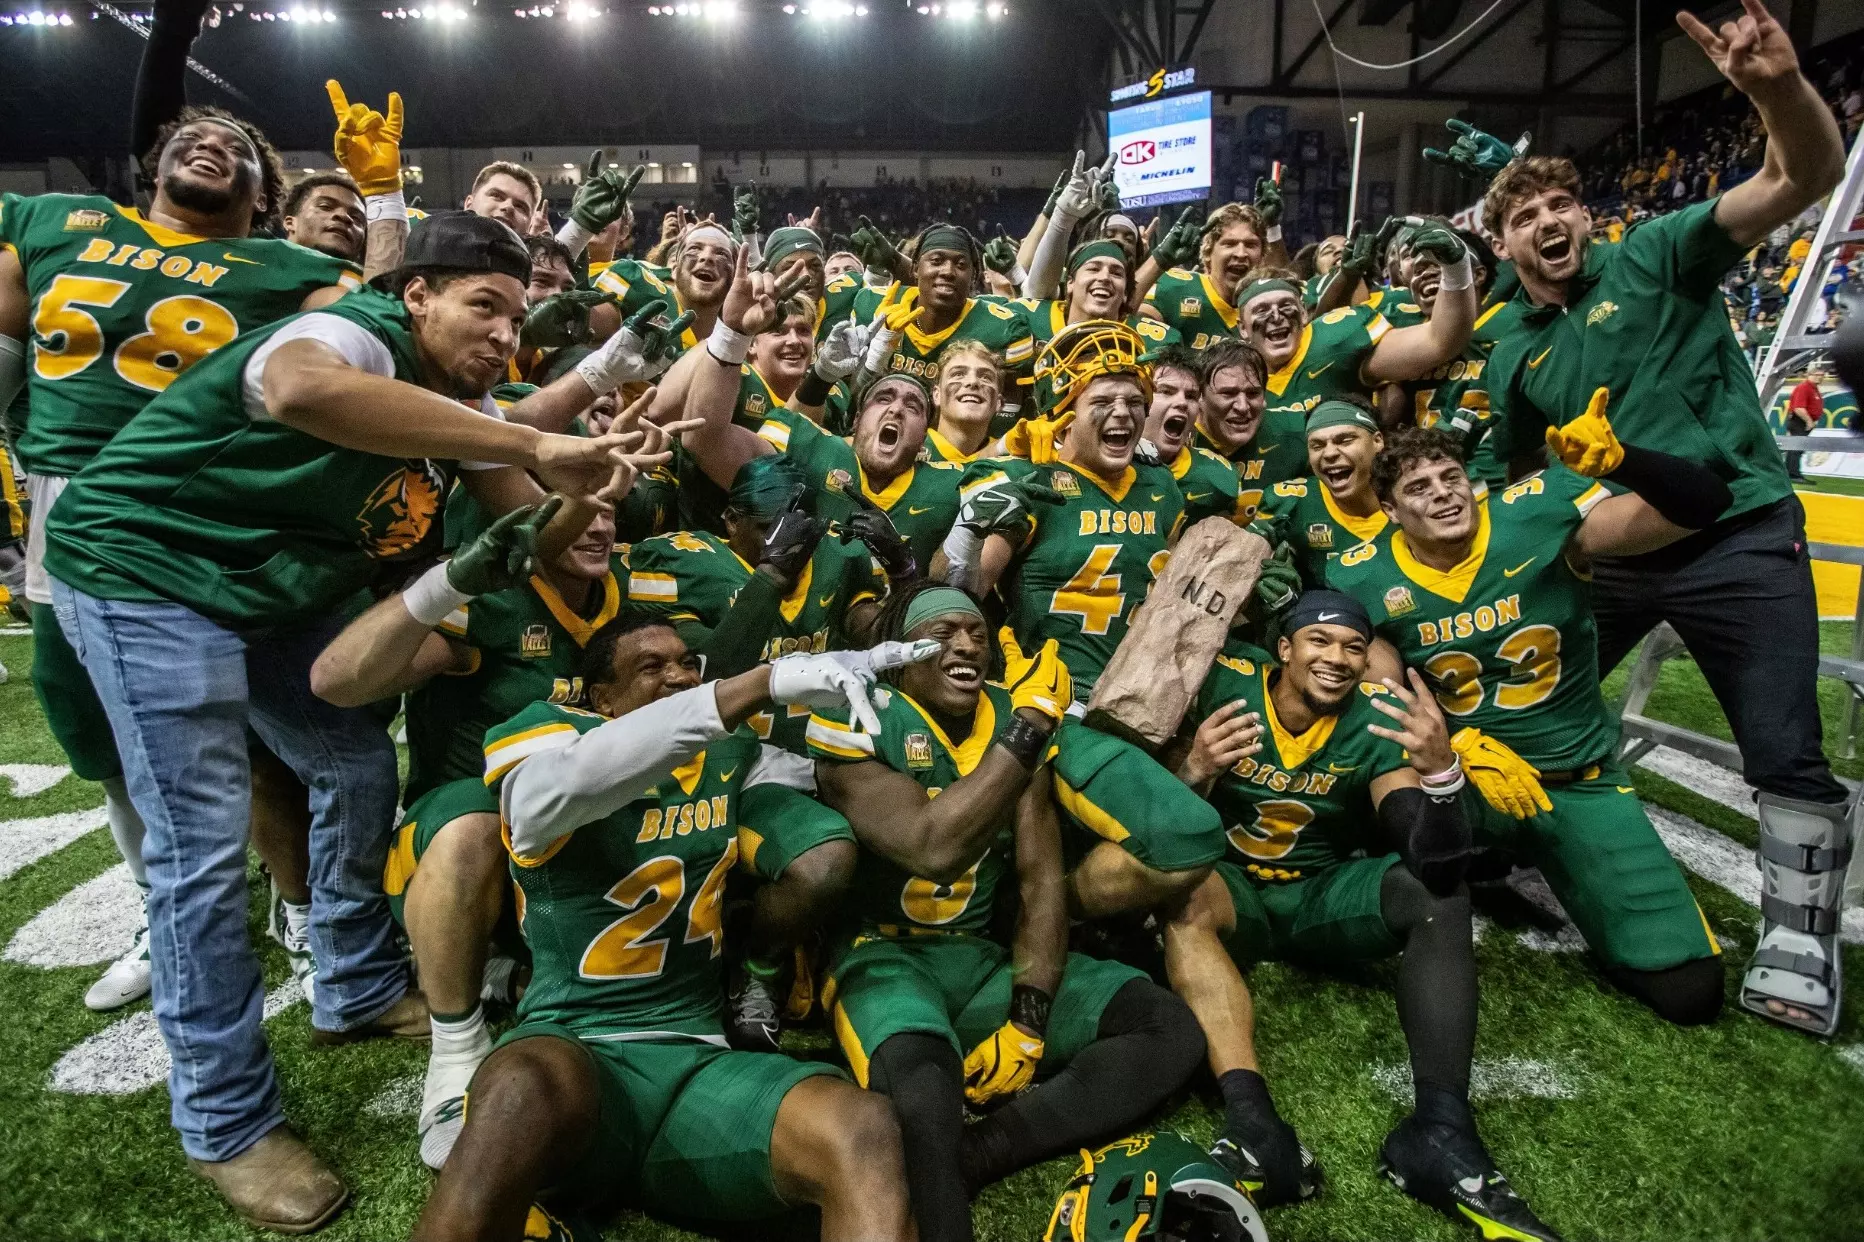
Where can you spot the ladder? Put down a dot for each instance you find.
(1794, 349)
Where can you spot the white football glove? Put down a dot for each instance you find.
(823, 682)
(1076, 200)
(884, 656)
(839, 355)
(617, 361)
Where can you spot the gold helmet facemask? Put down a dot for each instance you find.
(1082, 352)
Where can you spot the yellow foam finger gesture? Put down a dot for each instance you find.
(368, 144)
(1002, 1065)
(1588, 445)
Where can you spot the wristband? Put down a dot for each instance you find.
(1271, 234)
(1029, 1007)
(1016, 276)
(1448, 789)
(962, 546)
(728, 348)
(814, 390)
(390, 206)
(1025, 741)
(1457, 275)
(432, 596)
(574, 237)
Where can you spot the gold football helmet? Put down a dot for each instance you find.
(1085, 351)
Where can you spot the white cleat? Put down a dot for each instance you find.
(127, 979)
(443, 1104)
(295, 940)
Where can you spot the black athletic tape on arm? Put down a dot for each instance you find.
(814, 390)
(1685, 492)
(1432, 835)
(1025, 741)
(1029, 1008)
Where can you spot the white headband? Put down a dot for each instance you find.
(720, 235)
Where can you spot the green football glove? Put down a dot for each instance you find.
(1476, 154)
(1361, 256)
(1280, 583)
(1000, 254)
(602, 198)
(562, 319)
(1178, 245)
(1061, 183)
(1268, 201)
(657, 341)
(1002, 509)
(505, 553)
(744, 214)
(1436, 241)
(877, 253)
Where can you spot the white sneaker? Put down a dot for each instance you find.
(294, 938)
(443, 1104)
(127, 979)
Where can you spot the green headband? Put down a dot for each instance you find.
(945, 237)
(1259, 287)
(1339, 414)
(786, 241)
(937, 602)
(1100, 248)
(767, 486)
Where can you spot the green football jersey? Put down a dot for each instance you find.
(1303, 514)
(1278, 452)
(1046, 318)
(839, 298)
(1085, 564)
(938, 448)
(523, 645)
(121, 306)
(1190, 304)
(991, 320)
(637, 284)
(245, 520)
(692, 577)
(884, 897)
(1304, 802)
(1507, 639)
(1396, 306)
(1455, 395)
(1327, 361)
(625, 917)
(1211, 484)
(922, 503)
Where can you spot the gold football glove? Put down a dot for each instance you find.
(1002, 1065)
(1041, 681)
(368, 144)
(1510, 783)
(1037, 440)
(1588, 445)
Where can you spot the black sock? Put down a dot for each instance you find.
(1247, 1108)
(1439, 1104)
(1148, 1044)
(1436, 979)
(924, 1077)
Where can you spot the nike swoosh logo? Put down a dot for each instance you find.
(1157, 496)
(1334, 767)
(1315, 373)
(1534, 363)
(1266, 448)
(912, 512)
(725, 776)
(230, 257)
(825, 601)
(1327, 616)
(1627, 789)
(1509, 573)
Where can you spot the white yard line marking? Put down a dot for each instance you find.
(1504, 1078)
(129, 1056)
(400, 1098)
(94, 922)
(30, 779)
(25, 841)
(1727, 863)
(1852, 1055)
(1711, 780)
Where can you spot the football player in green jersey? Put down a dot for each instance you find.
(965, 403)
(1264, 445)
(1072, 545)
(1455, 394)
(1211, 484)
(1480, 594)
(1347, 843)
(1098, 286)
(616, 1085)
(1334, 508)
(506, 192)
(520, 639)
(1354, 349)
(1202, 305)
(929, 1009)
(701, 275)
(101, 308)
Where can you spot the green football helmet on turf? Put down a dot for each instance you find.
(1157, 1186)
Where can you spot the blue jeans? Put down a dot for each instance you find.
(180, 690)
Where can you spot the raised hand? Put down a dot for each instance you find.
(744, 213)
(1475, 153)
(602, 198)
(1752, 51)
(653, 339)
(1226, 737)
(1268, 201)
(1040, 682)
(840, 353)
(1587, 445)
(1178, 244)
(789, 544)
(884, 337)
(1000, 254)
(1280, 582)
(1418, 726)
(1077, 196)
(1439, 243)
(870, 524)
(1003, 507)
(367, 143)
(562, 319)
(505, 553)
(750, 305)
(876, 251)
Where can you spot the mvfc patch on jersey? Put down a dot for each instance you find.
(534, 642)
(1398, 601)
(1319, 535)
(918, 748)
(1065, 483)
(86, 220)
(1190, 308)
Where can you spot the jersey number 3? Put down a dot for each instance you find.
(180, 331)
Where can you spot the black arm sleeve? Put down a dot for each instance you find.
(161, 78)
(737, 644)
(1685, 492)
(1432, 835)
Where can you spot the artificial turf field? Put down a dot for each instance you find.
(1613, 1124)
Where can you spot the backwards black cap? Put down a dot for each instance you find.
(459, 241)
(1327, 608)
